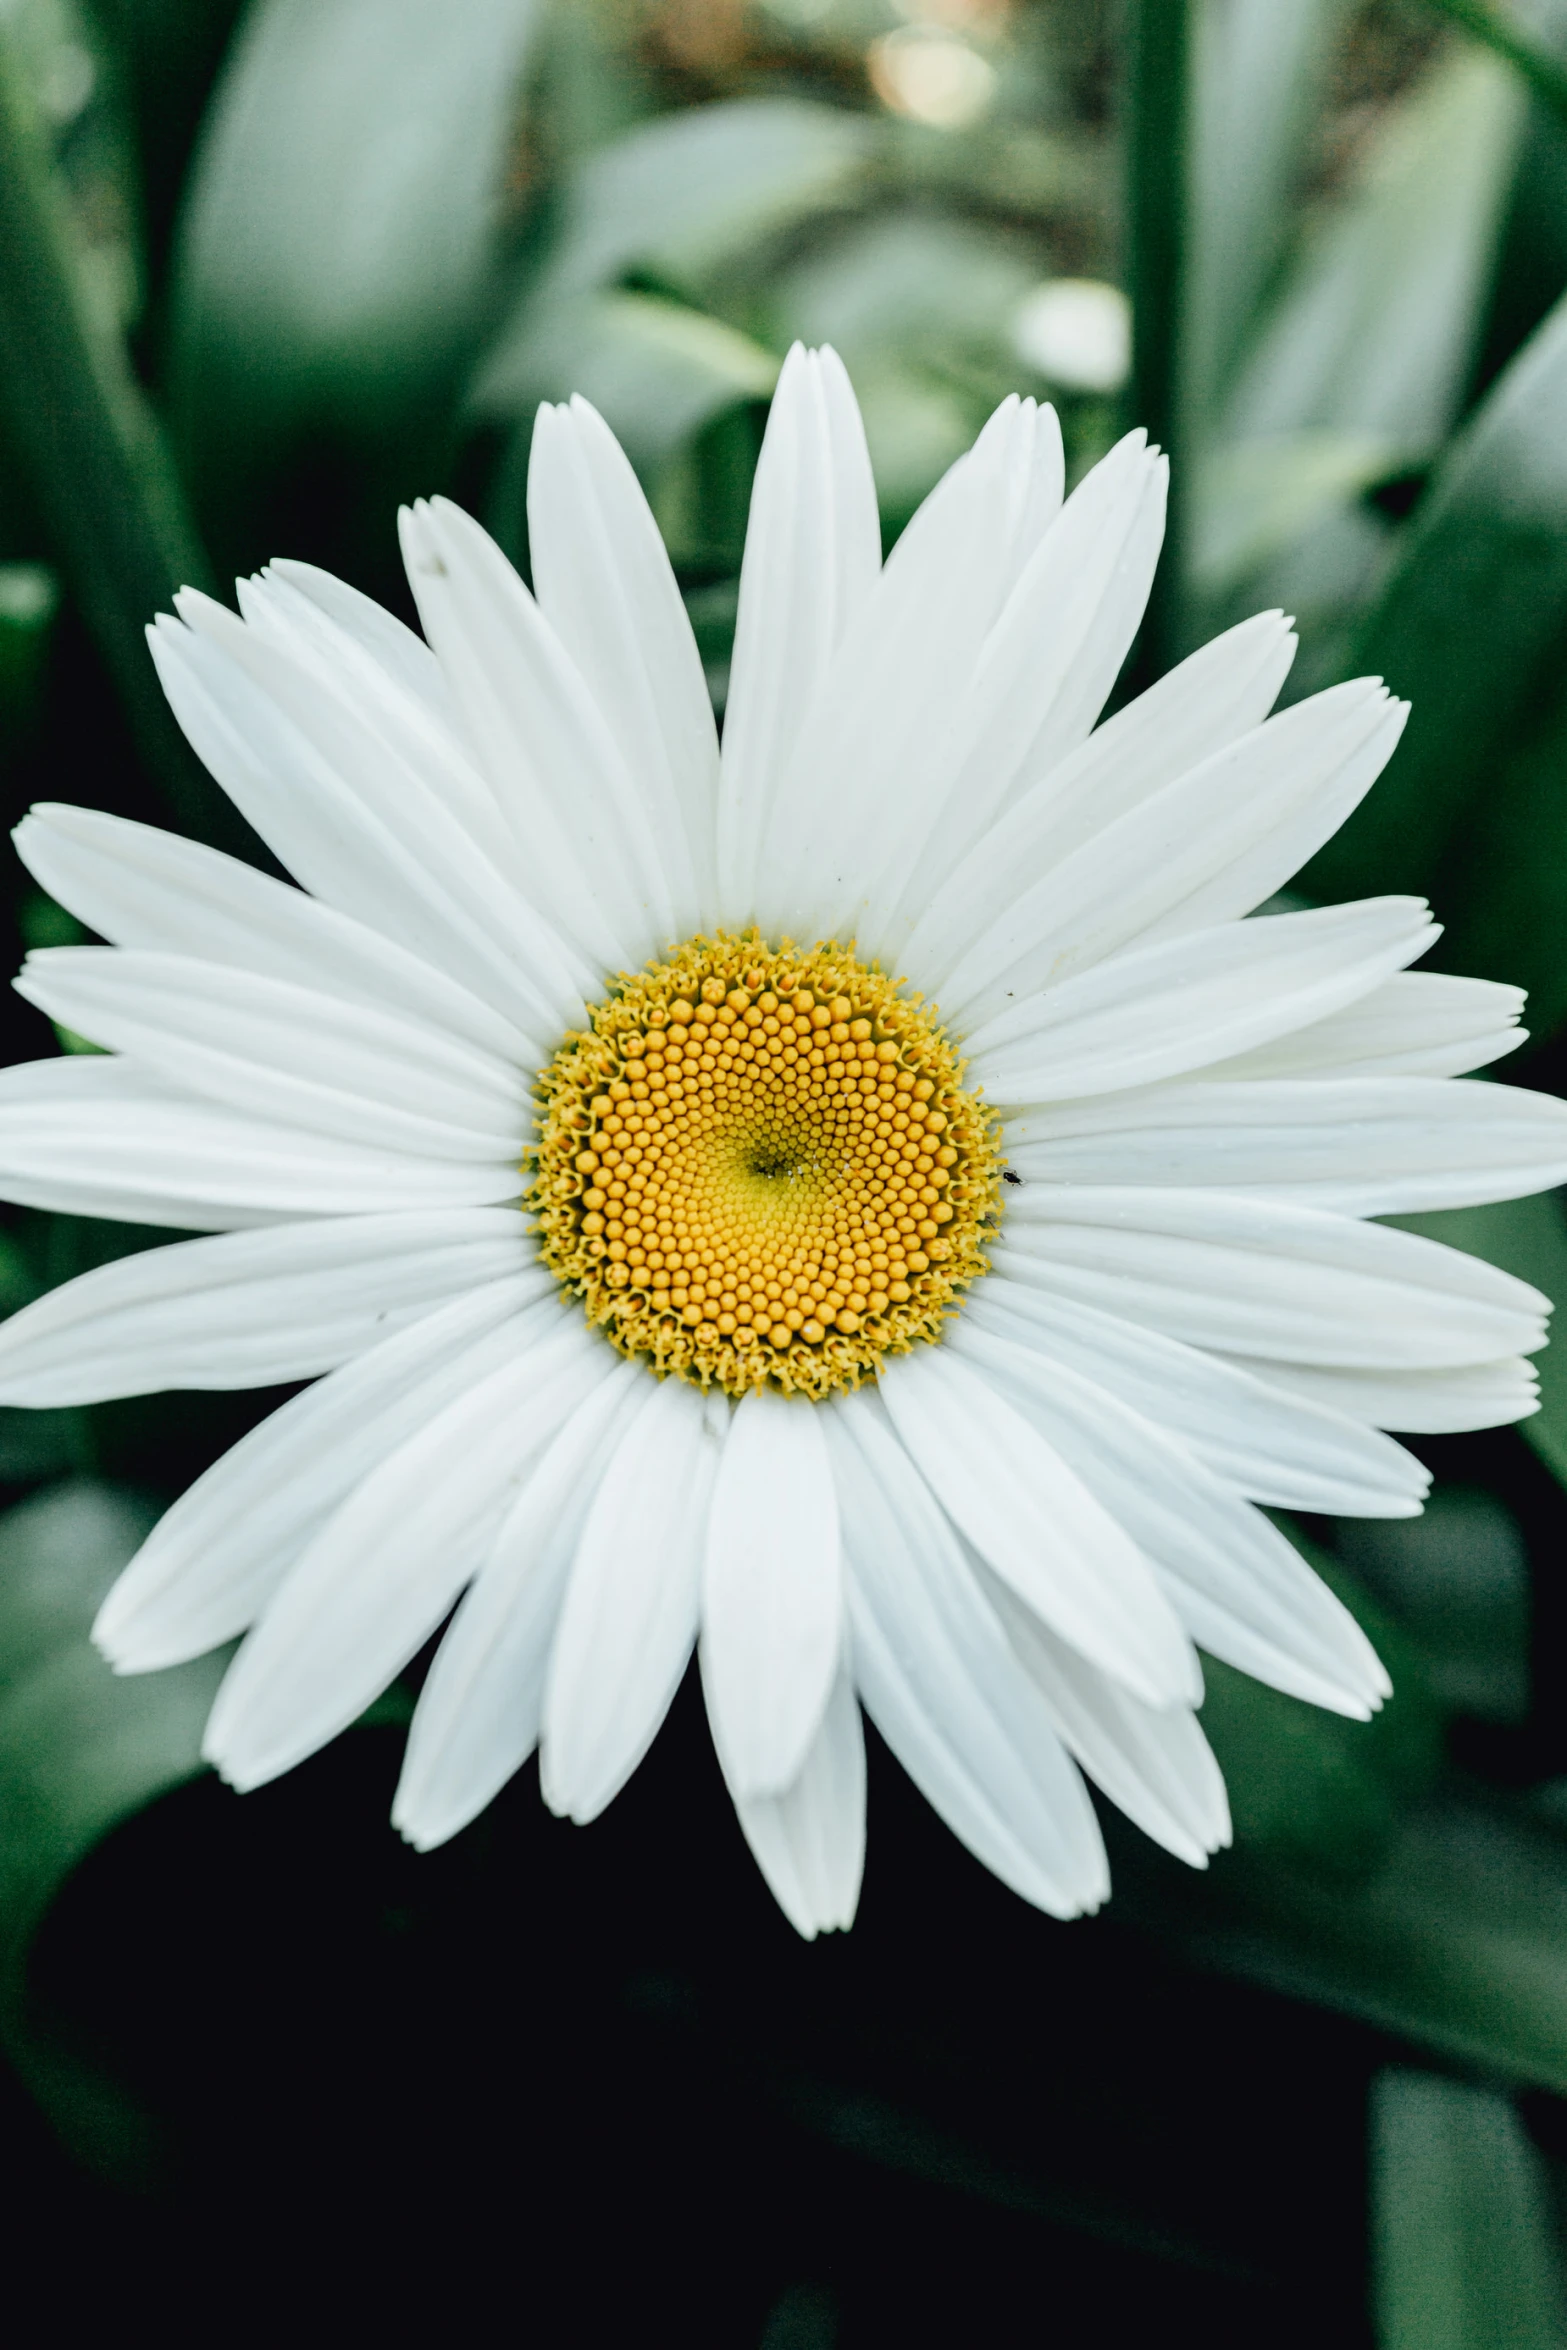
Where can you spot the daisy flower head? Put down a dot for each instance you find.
(871, 1203)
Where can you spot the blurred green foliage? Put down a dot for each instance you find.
(266, 270)
(1462, 2250)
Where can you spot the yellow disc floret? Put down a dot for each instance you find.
(763, 1165)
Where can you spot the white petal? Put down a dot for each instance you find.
(384, 1569)
(1078, 603)
(772, 1593)
(1239, 1587)
(1425, 1403)
(405, 657)
(809, 1842)
(408, 748)
(604, 584)
(212, 1562)
(271, 1049)
(1259, 1277)
(927, 701)
(1418, 1024)
(141, 888)
(880, 719)
(1209, 701)
(592, 860)
(249, 1309)
(1273, 1447)
(1364, 1146)
(478, 1716)
(403, 760)
(1156, 1765)
(1034, 479)
(629, 1618)
(1001, 498)
(1157, 1011)
(1206, 849)
(812, 557)
(92, 1136)
(418, 879)
(943, 1685)
(1041, 679)
(1034, 1521)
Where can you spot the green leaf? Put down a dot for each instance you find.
(1313, 1788)
(37, 1445)
(919, 308)
(1456, 1940)
(29, 603)
(1537, 66)
(1477, 601)
(1255, 499)
(1461, 2250)
(1159, 128)
(89, 442)
(169, 55)
(1528, 1238)
(1531, 258)
(81, 1748)
(1260, 73)
(673, 200)
(1374, 327)
(1502, 883)
(680, 198)
(73, 86)
(339, 247)
(657, 372)
(909, 285)
(1456, 1579)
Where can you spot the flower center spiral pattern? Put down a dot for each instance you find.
(762, 1165)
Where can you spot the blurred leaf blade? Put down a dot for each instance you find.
(1259, 78)
(1503, 877)
(1374, 327)
(1158, 138)
(341, 236)
(1475, 603)
(94, 454)
(685, 193)
(1543, 73)
(29, 608)
(673, 199)
(81, 1749)
(1256, 499)
(1456, 1579)
(1457, 1941)
(1462, 2253)
(657, 371)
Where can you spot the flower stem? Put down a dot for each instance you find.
(82, 427)
(1158, 99)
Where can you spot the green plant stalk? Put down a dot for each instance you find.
(1157, 118)
(1544, 75)
(92, 448)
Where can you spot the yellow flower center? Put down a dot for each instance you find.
(761, 1165)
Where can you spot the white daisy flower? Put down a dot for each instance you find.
(673, 1274)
